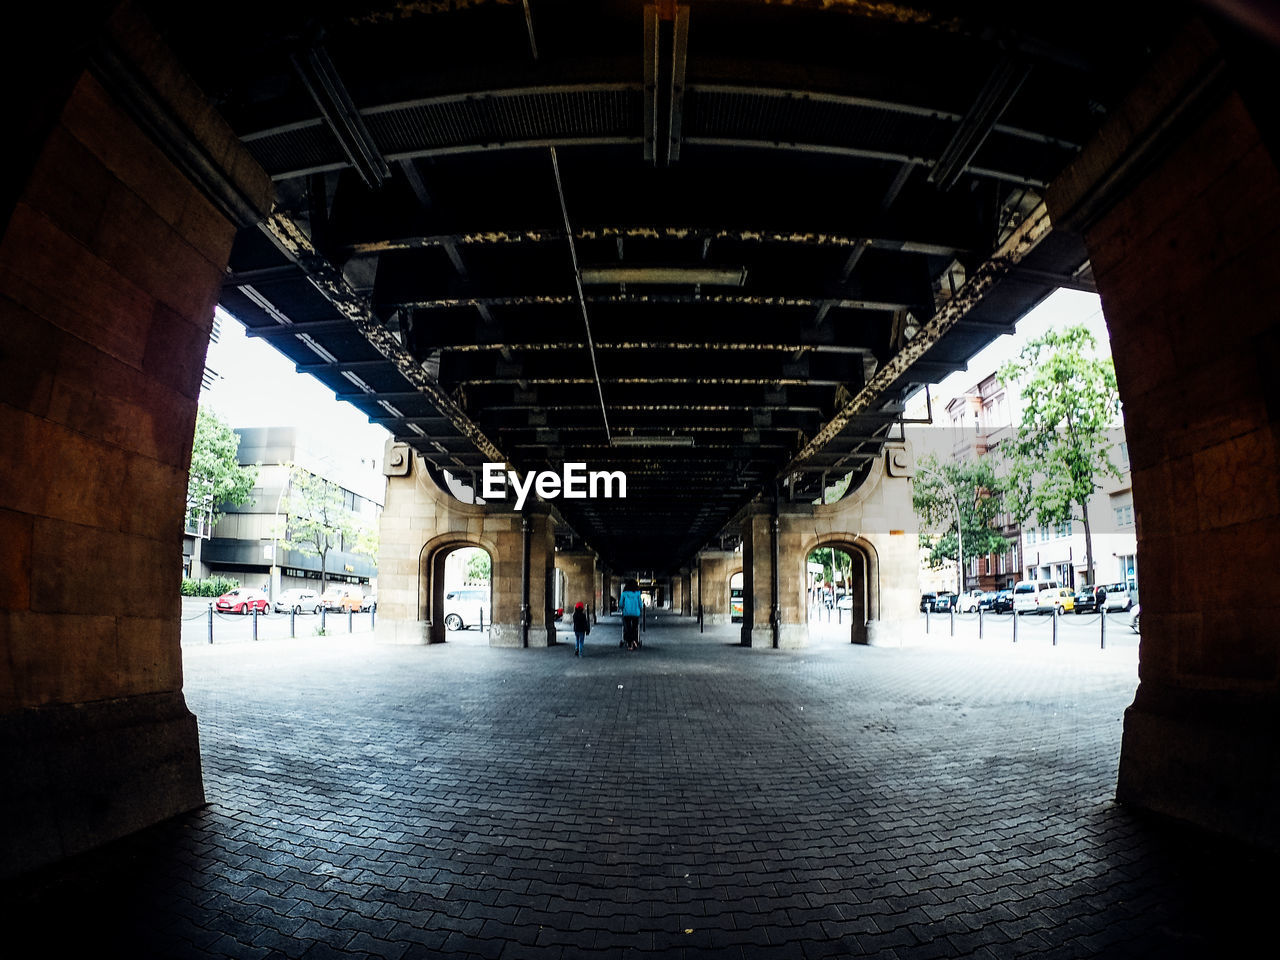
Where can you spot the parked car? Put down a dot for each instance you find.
(1032, 596)
(926, 602)
(845, 602)
(1086, 601)
(969, 601)
(242, 600)
(370, 602)
(1118, 596)
(352, 600)
(987, 600)
(943, 602)
(466, 607)
(1002, 602)
(332, 598)
(1133, 618)
(299, 601)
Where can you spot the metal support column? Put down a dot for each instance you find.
(525, 612)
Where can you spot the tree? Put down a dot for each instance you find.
(216, 478)
(957, 504)
(479, 567)
(317, 519)
(1061, 449)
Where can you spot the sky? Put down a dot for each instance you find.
(1060, 309)
(257, 386)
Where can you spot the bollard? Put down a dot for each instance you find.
(699, 617)
(926, 619)
(373, 616)
(1055, 626)
(255, 624)
(979, 623)
(1104, 629)
(323, 612)
(481, 620)
(293, 624)
(350, 617)
(952, 614)
(1014, 614)
(211, 624)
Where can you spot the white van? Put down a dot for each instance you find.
(1030, 596)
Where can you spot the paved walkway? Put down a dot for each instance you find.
(690, 799)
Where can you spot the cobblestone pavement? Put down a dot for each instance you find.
(694, 798)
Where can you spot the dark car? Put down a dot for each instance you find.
(926, 602)
(1086, 601)
(987, 600)
(943, 602)
(1002, 602)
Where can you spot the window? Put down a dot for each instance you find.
(1124, 454)
(1031, 534)
(1044, 532)
(1063, 529)
(1124, 515)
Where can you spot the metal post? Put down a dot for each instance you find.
(323, 613)
(350, 616)
(926, 619)
(701, 617)
(293, 623)
(1055, 626)
(1104, 628)
(255, 623)
(482, 619)
(211, 624)
(644, 619)
(979, 623)
(775, 610)
(1014, 614)
(524, 582)
(951, 615)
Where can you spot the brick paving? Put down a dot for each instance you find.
(946, 799)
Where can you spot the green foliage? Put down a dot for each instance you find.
(1061, 450)
(970, 488)
(318, 520)
(212, 587)
(216, 478)
(479, 567)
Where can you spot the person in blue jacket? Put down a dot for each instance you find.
(632, 610)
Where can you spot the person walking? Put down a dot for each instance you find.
(581, 626)
(632, 609)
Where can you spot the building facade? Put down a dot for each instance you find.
(245, 543)
(975, 423)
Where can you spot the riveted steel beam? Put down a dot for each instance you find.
(984, 279)
(329, 281)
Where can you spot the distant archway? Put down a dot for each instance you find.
(858, 591)
(435, 606)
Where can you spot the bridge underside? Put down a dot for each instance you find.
(713, 246)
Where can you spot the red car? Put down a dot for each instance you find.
(242, 600)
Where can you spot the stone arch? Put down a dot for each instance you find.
(866, 568)
(431, 559)
(727, 588)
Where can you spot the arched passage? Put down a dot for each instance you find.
(448, 597)
(857, 593)
(734, 593)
